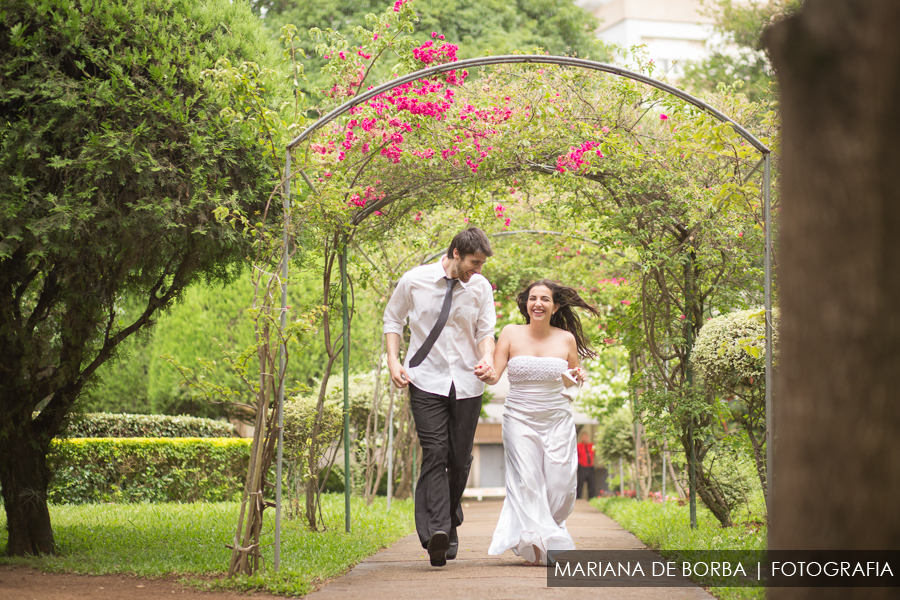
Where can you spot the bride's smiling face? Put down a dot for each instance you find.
(540, 303)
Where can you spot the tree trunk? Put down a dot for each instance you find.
(706, 488)
(836, 475)
(24, 477)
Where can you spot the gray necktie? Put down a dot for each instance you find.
(422, 352)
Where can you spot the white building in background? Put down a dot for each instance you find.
(672, 30)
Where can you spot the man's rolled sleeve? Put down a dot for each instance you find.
(487, 317)
(397, 309)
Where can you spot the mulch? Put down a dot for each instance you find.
(26, 583)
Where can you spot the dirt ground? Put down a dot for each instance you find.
(25, 583)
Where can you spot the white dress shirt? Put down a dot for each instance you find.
(419, 297)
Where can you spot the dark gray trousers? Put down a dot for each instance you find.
(446, 430)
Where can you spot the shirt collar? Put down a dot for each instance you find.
(440, 273)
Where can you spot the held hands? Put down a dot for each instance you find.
(485, 370)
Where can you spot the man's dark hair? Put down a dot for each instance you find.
(470, 241)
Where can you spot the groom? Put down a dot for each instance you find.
(450, 308)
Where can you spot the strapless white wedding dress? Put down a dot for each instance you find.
(541, 461)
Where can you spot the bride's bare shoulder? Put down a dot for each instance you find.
(512, 329)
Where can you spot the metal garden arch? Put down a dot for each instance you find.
(765, 161)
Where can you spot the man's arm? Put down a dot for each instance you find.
(484, 332)
(486, 348)
(395, 316)
(399, 376)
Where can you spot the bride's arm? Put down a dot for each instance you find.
(501, 356)
(574, 362)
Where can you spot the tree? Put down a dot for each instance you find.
(738, 55)
(730, 358)
(838, 65)
(476, 26)
(115, 157)
(205, 321)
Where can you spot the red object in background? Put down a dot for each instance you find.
(585, 455)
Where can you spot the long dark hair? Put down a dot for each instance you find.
(564, 318)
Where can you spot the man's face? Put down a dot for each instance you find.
(463, 268)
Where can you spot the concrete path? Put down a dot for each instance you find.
(402, 572)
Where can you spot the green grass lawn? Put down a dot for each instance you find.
(667, 526)
(153, 540)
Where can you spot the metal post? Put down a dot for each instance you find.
(665, 447)
(282, 358)
(770, 422)
(390, 451)
(621, 478)
(347, 479)
(689, 344)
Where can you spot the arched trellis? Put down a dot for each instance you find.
(566, 61)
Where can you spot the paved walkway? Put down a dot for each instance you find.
(402, 572)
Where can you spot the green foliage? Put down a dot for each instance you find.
(738, 57)
(607, 389)
(731, 467)
(299, 421)
(666, 527)
(147, 469)
(730, 352)
(616, 437)
(103, 425)
(188, 540)
(207, 321)
(115, 155)
(476, 26)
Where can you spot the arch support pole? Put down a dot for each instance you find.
(770, 422)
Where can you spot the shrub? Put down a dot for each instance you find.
(147, 469)
(299, 418)
(730, 351)
(106, 425)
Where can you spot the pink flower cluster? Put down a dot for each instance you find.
(501, 214)
(614, 281)
(369, 195)
(429, 53)
(574, 159)
(398, 4)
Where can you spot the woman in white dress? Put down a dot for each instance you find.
(538, 426)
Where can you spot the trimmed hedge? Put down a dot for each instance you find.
(108, 425)
(148, 469)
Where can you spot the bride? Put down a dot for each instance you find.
(538, 427)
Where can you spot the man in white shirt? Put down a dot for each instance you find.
(450, 308)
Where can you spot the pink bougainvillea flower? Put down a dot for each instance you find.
(682, 317)
(626, 302)
(605, 129)
(663, 117)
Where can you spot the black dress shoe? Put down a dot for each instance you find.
(437, 548)
(454, 544)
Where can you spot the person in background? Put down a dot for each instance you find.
(585, 466)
